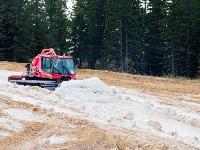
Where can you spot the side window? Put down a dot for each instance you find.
(46, 64)
(57, 63)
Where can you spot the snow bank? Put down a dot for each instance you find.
(93, 84)
(92, 90)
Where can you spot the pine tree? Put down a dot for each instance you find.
(161, 38)
(58, 25)
(123, 36)
(155, 37)
(182, 39)
(133, 37)
(5, 37)
(14, 12)
(196, 40)
(112, 37)
(26, 20)
(79, 34)
(173, 33)
(36, 26)
(95, 24)
(88, 30)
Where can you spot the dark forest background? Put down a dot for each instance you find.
(151, 37)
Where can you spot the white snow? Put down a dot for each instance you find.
(10, 124)
(60, 139)
(4, 76)
(94, 100)
(24, 115)
(12, 120)
(88, 90)
(3, 134)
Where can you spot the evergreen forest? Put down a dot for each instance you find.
(148, 37)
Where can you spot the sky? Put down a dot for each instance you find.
(70, 4)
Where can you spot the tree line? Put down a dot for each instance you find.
(151, 37)
(27, 26)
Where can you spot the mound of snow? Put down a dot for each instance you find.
(92, 89)
(93, 84)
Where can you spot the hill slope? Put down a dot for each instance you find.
(147, 113)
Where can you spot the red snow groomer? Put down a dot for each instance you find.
(47, 70)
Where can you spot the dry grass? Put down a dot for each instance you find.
(89, 135)
(145, 83)
(167, 86)
(11, 66)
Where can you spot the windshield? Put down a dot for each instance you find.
(58, 65)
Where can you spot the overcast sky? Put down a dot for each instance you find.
(70, 4)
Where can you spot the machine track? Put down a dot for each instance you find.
(50, 85)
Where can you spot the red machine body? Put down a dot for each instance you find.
(37, 75)
(37, 69)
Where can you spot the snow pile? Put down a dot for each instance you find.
(130, 109)
(92, 89)
(93, 84)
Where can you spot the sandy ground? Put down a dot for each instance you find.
(86, 135)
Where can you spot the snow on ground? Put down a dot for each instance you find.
(12, 122)
(60, 139)
(24, 115)
(3, 134)
(4, 75)
(93, 100)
